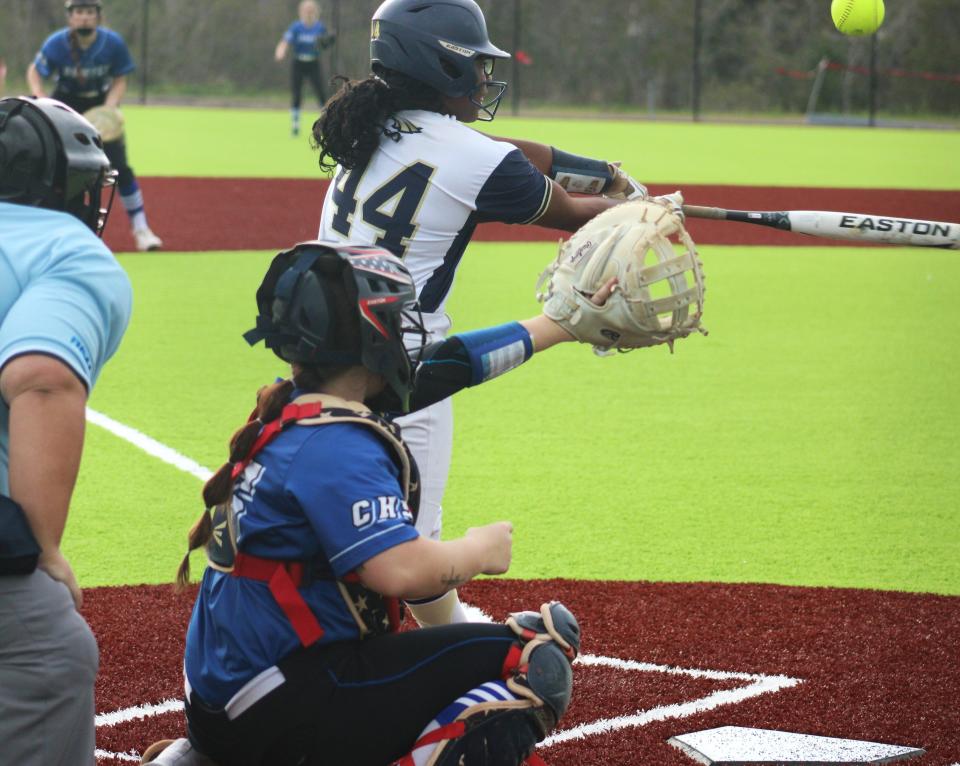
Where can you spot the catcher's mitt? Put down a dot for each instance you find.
(107, 120)
(658, 297)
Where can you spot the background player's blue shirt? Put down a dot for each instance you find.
(93, 73)
(329, 492)
(305, 39)
(62, 293)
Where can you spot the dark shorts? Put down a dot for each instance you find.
(358, 702)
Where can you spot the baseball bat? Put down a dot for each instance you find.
(861, 227)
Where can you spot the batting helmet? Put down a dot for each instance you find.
(326, 304)
(437, 42)
(51, 157)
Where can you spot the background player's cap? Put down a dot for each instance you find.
(71, 4)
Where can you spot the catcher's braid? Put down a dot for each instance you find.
(659, 293)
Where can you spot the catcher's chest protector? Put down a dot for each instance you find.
(373, 613)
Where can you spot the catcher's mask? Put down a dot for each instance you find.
(51, 157)
(438, 43)
(327, 304)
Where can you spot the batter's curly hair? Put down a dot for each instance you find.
(348, 131)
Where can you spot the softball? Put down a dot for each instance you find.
(857, 17)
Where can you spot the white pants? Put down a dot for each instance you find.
(429, 434)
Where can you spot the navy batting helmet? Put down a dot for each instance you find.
(323, 303)
(438, 42)
(51, 157)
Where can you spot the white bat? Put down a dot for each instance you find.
(862, 227)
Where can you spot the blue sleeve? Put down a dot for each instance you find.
(121, 62)
(46, 60)
(291, 33)
(355, 505)
(515, 192)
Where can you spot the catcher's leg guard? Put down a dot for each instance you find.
(174, 752)
(488, 726)
(539, 667)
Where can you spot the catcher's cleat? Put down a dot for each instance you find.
(146, 240)
(174, 752)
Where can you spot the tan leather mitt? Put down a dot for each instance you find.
(660, 284)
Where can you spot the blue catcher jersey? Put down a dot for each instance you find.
(84, 73)
(62, 293)
(305, 40)
(421, 198)
(328, 494)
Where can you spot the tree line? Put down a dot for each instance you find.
(756, 56)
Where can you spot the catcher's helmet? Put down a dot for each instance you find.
(50, 156)
(323, 303)
(437, 42)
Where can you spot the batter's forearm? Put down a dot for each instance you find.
(540, 155)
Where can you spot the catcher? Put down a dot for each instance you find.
(310, 529)
(89, 64)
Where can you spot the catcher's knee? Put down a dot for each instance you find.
(538, 668)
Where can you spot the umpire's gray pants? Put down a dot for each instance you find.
(48, 663)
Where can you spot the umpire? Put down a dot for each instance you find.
(307, 36)
(64, 305)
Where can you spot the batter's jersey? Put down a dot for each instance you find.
(326, 494)
(62, 293)
(305, 40)
(421, 198)
(83, 74)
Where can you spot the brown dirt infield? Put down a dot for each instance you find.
(192, 214)
(878, 666)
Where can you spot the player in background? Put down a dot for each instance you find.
(64, 305)
(307, 36)
(293, 653)
(413, 177)
(89, 65)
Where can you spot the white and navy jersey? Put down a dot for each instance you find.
(421, 198)
(83, 74)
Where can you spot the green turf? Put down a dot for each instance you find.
(809, 439)
(192, 141)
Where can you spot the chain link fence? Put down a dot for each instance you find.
(756, 58)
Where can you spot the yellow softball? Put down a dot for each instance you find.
(857, 17)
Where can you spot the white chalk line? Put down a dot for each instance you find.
(149, 445)
(759, 684)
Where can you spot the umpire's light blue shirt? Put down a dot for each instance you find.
(62, 293)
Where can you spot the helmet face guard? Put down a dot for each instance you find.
(51, 157)
(312, 291)
(438, 42)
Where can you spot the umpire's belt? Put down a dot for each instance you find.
(19, 550)
(306, 57)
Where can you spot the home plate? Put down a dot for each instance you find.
(734, 745)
